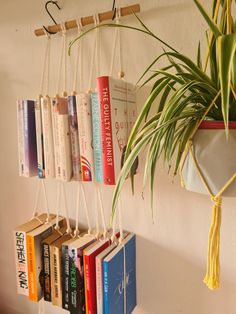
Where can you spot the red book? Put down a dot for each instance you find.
(90, 254)
(118, 114)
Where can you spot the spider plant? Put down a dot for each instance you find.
(183, 93)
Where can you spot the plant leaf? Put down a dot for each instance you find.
(226, 48)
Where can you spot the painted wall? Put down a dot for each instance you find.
(171, 252)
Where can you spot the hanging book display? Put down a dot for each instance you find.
(62, 137)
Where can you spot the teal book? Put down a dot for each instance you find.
(97, 147)
(119, 278)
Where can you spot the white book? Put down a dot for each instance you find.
(56, 141)
(48, 137)
(84, 112)
(64, 139)
(39, 138)
(20, 129)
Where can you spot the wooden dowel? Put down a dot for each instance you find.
(89, 20)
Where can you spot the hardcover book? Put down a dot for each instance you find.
(74, 137)
(64, 139)
(97, 147)
(46, 261)
(27, 138)
(56, 142)
(118, 113)
(39, 138)
(34, 256)
(84, 113)
(20, 248)
(76, 265)
(56, 269)
(119, 272)
(90, 254)
(48, 137)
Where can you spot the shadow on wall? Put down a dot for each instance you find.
(170, 283)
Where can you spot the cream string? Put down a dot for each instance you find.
(45, 63)
(117, 42)
(68, 230)
(57, 227)
(35, 211)
(63, 54)
(86, 208)
(99, 196)
(78, 57)
(76, 231)
(95, 48)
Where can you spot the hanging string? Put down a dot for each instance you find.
(95, 18)
(117, 42)
(78, 56)
(63, 54)
(76, 231)
(86, 208)
(46, 201)
(68, 230)
(45, 63)
(102, 211)
(57, 227)
(40, 184)
(35, 213)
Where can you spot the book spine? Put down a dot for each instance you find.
(99, 286)
(106, 130)
(56, 298)
(65, 147)
(20, 128)
(48, 138)
(87, 279)
(39, 139)
(106, 288)
(31, 268)
(74, 137)
(56, 142)
(97, 148)
(73, 280)
(65, 278)
(83, 102)
(21, 263)
(26, 139)
(32, 150)
(46, 272)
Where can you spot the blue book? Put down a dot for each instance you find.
(119, 278)
(97, 147)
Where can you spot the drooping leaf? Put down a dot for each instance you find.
(199, 58)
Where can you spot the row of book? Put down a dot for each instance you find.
(80, 137)
(82, 274)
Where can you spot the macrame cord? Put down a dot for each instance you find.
(78, 60)
(212, 277)
(63, 55)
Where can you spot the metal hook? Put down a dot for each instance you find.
(114, 9)
(46, 8)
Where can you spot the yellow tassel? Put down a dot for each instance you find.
(212, 278)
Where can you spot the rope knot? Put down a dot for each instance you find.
(217, 200)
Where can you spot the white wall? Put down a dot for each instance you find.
(171, 252)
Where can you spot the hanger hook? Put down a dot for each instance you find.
(52, 18)
(114, 9)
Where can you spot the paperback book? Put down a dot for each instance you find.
(76, 272)
(84, 112)
(46, 261)
(118, 114)
(39, 138)
(49, 157)
(27, 147)
(20, 248)
(56, 142)
(119, 272)
(97, 147)
(34, 256)
(74, 137)
(56, 269)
